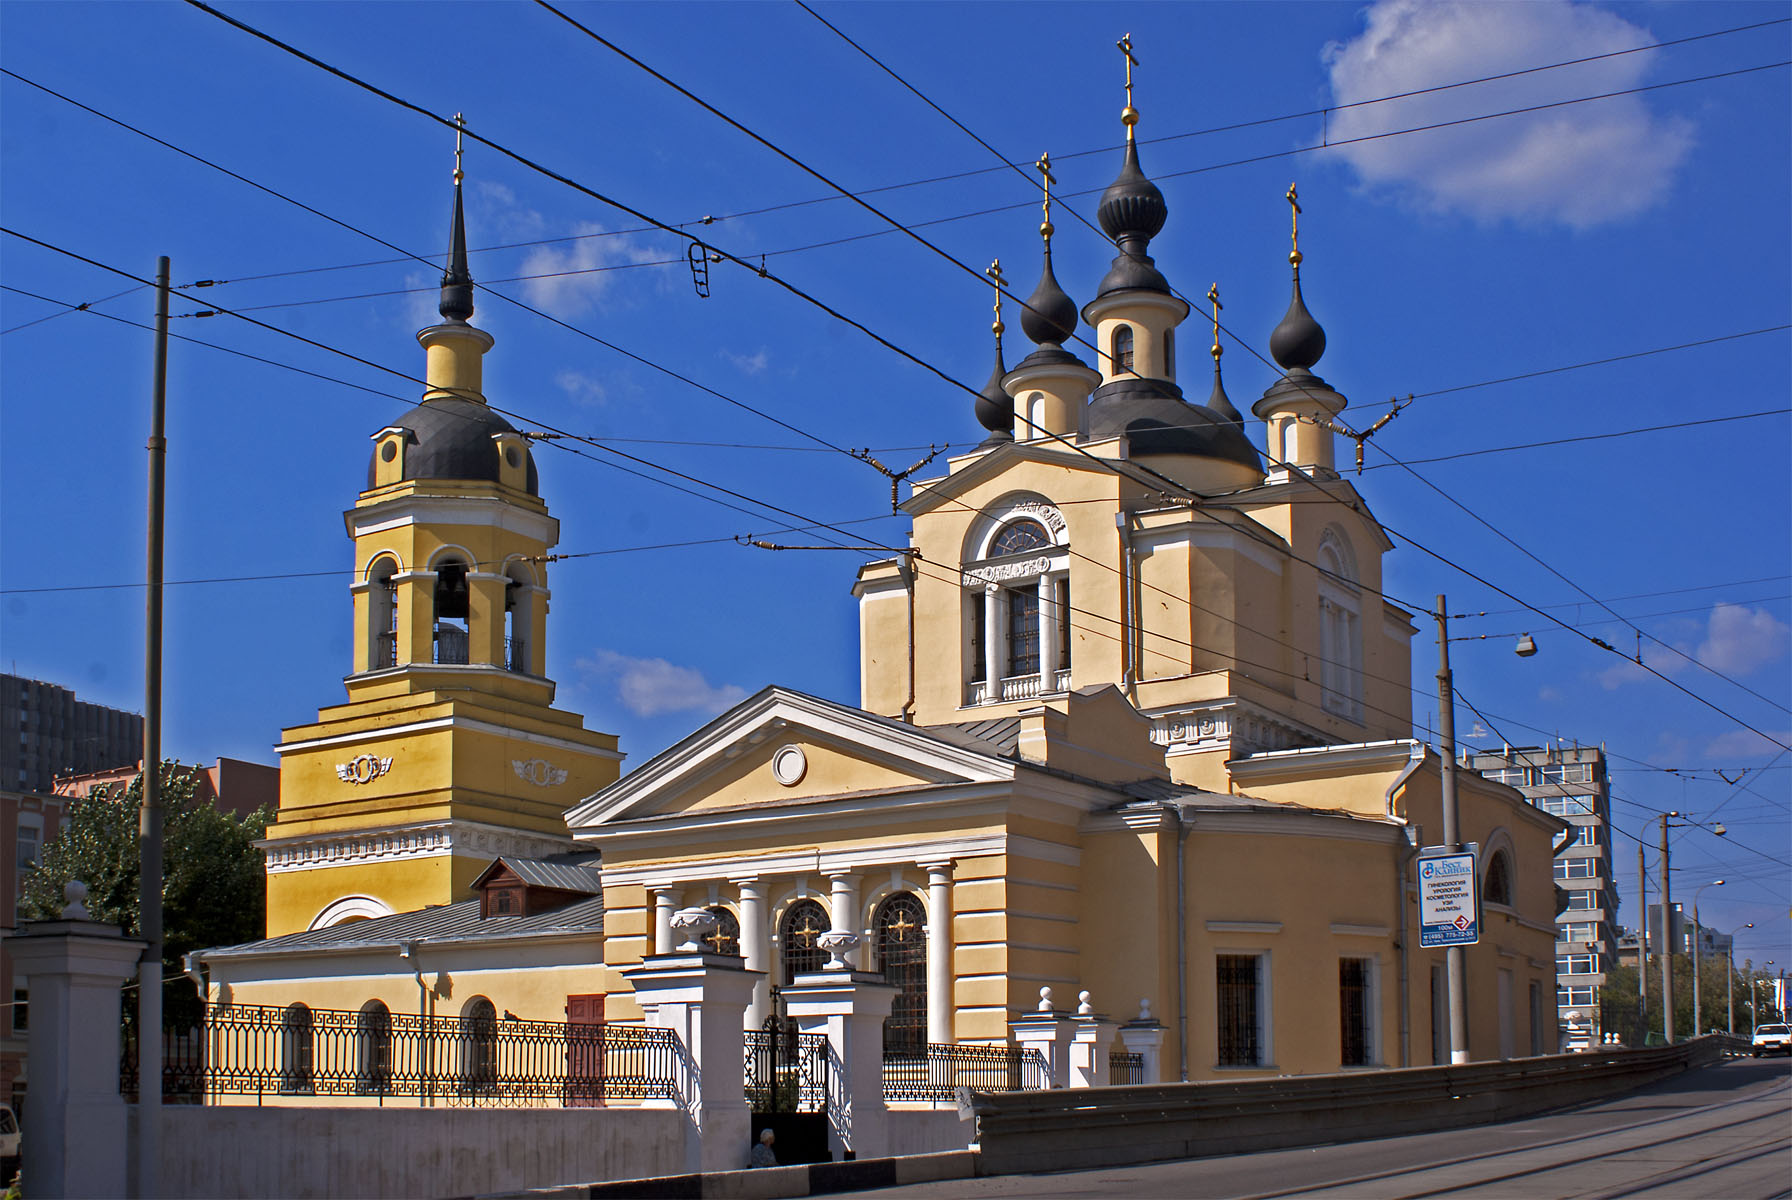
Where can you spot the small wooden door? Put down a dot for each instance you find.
(585, 1051)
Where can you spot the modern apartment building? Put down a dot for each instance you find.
(1570, 782)
(45, 733)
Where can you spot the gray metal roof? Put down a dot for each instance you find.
(457, 922)
(998, 735)
(557, 873)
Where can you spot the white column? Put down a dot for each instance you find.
(664, 903)
(939, 951)
(995, 644)
(755, 947)
(1048, 634)
(844, 915)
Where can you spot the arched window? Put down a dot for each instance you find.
(382, 614)
(297, 1030)
(725, 937)
(1019, 538)
(452, 607)
(519, 619)
(1340, 629)
(1123, 349)
(373, 1049)
(799, 933)
(900, 927)
(479, 1046)
(1496, 884)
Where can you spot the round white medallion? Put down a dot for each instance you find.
(789, 765)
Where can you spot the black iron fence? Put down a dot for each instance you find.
(273, 1053)
(941, 1070)
(1124, 1068)
(183, 1065)
(786, 1071)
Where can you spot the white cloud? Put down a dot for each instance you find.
(749, 364)
(1740, 640)
(582, 388)
(422, 294)
(1580, 165)
(1745, 743)
(570, 278)
(649, 687)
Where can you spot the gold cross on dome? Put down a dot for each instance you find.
(807, 932)
(1125, 45)
(901, 925)
(994, 271)
(1293, 199)
(1213, 297)
(1046, 180)
(460, 125)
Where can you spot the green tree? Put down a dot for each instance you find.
(1617, 999)
(212, 875)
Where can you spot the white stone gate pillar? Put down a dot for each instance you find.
(849, 1007)
(703, 999)
(1144, 1036)
(75, 1135)
(1049, 1032)
(1089, 1043)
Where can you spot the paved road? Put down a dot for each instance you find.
(1723, 1133)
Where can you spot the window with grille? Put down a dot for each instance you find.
(900, 926)
(1023, 632)
(1061, 609)
(1356, 1047)
(296, 1047)
(373, 1048)
(1123, 349)
(479, 1045)
(1497, 887)
(799, 933)
(1238, 979)
(1019, 538)
(725, 937)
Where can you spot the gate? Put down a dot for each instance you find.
(787, 1089)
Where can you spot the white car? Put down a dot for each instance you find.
(1772, 1039)
(9, 1144)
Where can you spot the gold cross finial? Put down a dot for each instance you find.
(901, 925)
(460, 125)
(1129, 116)
(1213, 297)
(994, 272)
(1294, 229)
(1046, 179)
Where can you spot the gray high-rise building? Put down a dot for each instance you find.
(46, 733)
(1570, 782)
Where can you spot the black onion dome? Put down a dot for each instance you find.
(1298, 342)
(1157, 420)
(1132, 212)
(1221, 403)
(457, 280)
(995, 407)
(1050, 315)
(451, 438)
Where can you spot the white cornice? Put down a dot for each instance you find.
(1244, 927)
(470, 724)
(400, 843)
(1294, 822)
(1316, 761)
(476, 511)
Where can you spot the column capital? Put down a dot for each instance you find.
(846, 872)
(750, 883)
(937, 866)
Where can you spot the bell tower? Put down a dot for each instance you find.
(449, 751)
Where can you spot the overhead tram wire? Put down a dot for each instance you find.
(800, 293)
(84, 306)
(1147, 141)
(770, 507)
(1586, 437)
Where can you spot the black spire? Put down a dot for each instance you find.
(1221, 403)
(1298, 342)
(1132, 212)
(995, 407)
(1050, 316)
(457, 280)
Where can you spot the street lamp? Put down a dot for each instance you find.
(1697, 930)
(1730, 974)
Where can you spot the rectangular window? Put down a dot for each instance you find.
(1061, 606)
(1239, 979)
(21, 1007)
(1582, 901)
(1516, 776)
(1577, 964)
(1566, 996)
(974, 619)
(1356, 999)
(1567, 806)
(1586, 835)
(1578, 931)
(30, 845)
(1023, 632)
(1576, 868)
(1568, 773)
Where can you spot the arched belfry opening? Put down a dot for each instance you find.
(453, 608)
(519, 619)
(382, 614)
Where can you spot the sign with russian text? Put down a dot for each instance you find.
(1448, 914)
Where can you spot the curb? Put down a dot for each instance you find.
(771, 1183)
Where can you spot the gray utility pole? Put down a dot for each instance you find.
(1666, 952)
(149, 829)
(1446, 731)
(1642, 947)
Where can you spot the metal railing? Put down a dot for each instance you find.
(451, 645)
(385, 651)
(1124, 1068)
(516, 655)
(270, 1052)
(941, 1070)
(183, 1065)
(786, 1071)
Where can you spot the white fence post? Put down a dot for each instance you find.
(703, 999)
(75, 1130)
(849, 1007)
(1049, 1032)
(1144, 1036)
(1089, 1046)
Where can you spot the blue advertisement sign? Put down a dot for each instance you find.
(1448, 912)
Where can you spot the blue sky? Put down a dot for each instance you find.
(1436, 260)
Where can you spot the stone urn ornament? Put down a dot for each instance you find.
(838, 943)
(690, 924)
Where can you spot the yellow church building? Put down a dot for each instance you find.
(1135, 720)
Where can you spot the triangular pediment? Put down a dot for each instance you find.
(781, 747)
(929, 494)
